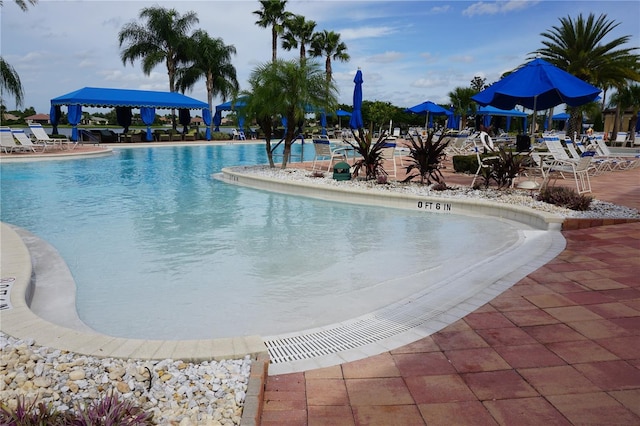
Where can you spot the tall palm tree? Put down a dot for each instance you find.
(579, 47)
(9, 78)
(462, 103)
(273, 15)
(162, 39)
(286, 88)
(210, 59)
(298, 32)
(327, 44)
(628, 98)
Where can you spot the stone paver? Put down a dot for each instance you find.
(560, 347)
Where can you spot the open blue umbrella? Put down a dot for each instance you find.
(430, 109)
(537, 85)
(342, 113)
(356, 122)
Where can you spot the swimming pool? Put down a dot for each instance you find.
(160, 250)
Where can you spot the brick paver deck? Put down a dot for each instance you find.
(562, 346)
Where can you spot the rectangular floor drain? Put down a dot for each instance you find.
(344, 337)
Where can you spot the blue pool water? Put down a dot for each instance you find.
(161, 250)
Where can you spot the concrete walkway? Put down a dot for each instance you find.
(562, 346)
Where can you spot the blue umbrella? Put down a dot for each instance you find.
(356, 122)
(342, 113)
(429, 108)
(537, 85)
(453, 121)
(323, 123)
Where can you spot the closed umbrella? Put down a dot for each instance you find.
(356, 122)
(538, 85)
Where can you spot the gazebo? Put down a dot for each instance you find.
(123, 100)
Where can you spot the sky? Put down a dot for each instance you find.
(409, 51)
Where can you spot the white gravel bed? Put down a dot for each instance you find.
(176, 392)
(598, 209)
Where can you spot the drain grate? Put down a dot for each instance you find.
(346, 336)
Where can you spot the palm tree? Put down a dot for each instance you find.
(462, 103)
(628, 98)
(578, 47)
(286, 88)
(273, 15)
(10, 82)
(22, 4)
(209, 59)
(9, 78)
(327, 44)
(162, 39)
(298, 32)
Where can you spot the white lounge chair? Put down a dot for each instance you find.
(25, 141)
(618, 162)
(42, 137)
(7, 143)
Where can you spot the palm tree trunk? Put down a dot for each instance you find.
(274, 44)
(616, 123)
(575, 122)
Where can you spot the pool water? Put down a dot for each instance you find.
(161, 250)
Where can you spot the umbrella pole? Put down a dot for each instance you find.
(533, 124)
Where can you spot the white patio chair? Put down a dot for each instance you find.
(579, 170)
(389, 154)
(483, 162)
(323, 151)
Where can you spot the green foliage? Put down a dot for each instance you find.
(108, 411)
(285, 88)
(378, 113)
(464, 163)
(508, 166)
(371, 154)
(565, 197)
(426, 157)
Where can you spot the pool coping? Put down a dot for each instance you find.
(429, 204)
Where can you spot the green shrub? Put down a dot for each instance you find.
(425, 158)
(465, 163)
(565, 197)
(218, 136)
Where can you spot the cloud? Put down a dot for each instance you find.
(482, 8)
(427, 83)
(430, 58)
(463, 59)
(436, 10)
(386, 57)
(365, 32)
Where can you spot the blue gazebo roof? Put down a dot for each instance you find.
(105, 97)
